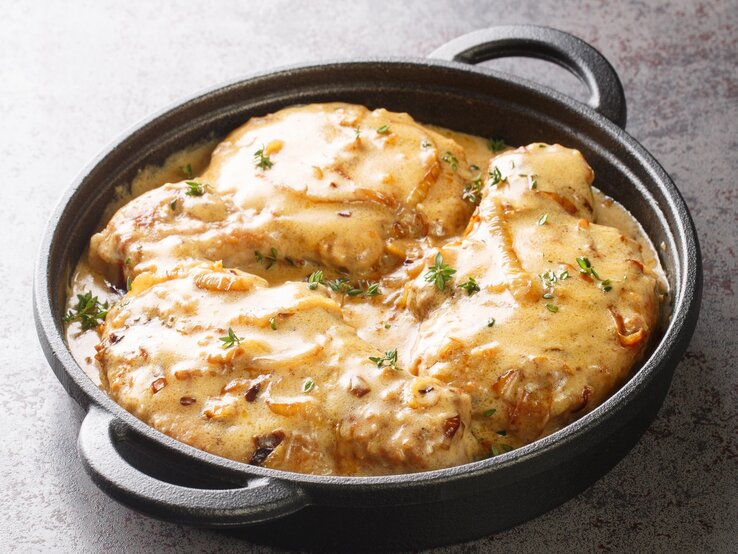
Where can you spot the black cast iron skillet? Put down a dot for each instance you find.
(152, 473)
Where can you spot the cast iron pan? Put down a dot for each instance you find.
(152, 473)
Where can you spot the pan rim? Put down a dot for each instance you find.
(668, 350)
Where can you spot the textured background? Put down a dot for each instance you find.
(75, 75)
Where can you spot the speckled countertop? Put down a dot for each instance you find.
(73, 75)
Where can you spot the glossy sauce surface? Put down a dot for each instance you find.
(524, 338)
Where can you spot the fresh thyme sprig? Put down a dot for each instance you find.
(451, 160)
(90, 312)
(269, 260)
(195, 188)
(343, 285)
(230, 339)
(495, 177)
(496, 145)
(549, 279)
(586, 267)
(439, 273)
(388, 360)
(315, 279)
(473, 190)
(470, 286)
(261, 160)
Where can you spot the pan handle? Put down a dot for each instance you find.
(605, 90)
(260, 499)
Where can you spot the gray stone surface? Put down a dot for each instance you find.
(73, 75)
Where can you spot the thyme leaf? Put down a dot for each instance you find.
(473, 190)
(187, 171)
(439, 273)
(470, 286)
(315, 279)
(90, 312)
(495, 177)
(586, 268)
(230, 339)
(261, 160)
(451, 160)
(496, 145)
(388, 360)
(268, 260)
(195, 188)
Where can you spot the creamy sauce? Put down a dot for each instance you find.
(371, 197)
(82, 344)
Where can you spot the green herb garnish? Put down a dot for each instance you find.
(451, 160)
(425, 144)
(388, 360)
(586, 267)
(315, 279)
(470, 286)
(340, 285)
(173, 205)
(490, 412)
(439, 273)
(343, 285)
(187, 171)
(90, 312)
(273, 323)
(548, 278)
(261, 160)
(195, 189)
(230, 339)
(308, 385)
(553, 308)
(473, 190)
(496, 145)
(542, 220)
(495, 177)
(357, 131)
(383, 130)
(268, 260)
(491, 322)
(369, 289)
